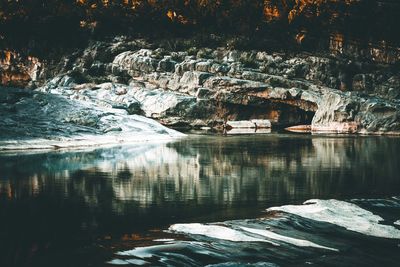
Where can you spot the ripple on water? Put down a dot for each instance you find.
(316, 232)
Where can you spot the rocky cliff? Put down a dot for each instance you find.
(203, 87)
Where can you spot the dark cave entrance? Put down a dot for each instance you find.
(280, 114)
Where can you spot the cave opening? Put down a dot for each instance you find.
(281, 115)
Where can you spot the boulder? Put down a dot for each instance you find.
(191, 80)
(240, 124)
(59, 122)
(136, 62)
(248, 124)
(166, 64)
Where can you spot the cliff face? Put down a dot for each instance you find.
(203, 87)
(378, 51)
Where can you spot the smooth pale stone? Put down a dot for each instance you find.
(248, 131)
(344, 214)
(240, 124)
(249, 124)
(286, 239)
(128, 262)
(216, 231)
(336, 127)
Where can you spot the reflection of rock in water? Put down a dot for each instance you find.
(208, 170)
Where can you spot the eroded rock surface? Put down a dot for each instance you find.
(207, 87)
(32, 119)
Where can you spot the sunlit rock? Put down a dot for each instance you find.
(39, 120)
(344, 214)
(202, 87)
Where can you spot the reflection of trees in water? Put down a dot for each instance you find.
(208, 171)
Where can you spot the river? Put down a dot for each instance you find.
(203, 200)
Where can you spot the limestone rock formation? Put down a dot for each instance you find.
(35, 120)
(201, 87)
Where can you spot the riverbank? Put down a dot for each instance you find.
(112, 85)
(35, 120)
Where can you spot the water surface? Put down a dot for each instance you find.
(87, 208)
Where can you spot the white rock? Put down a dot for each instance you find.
(344, 214)
(215, 231)
(286, 239)
(241, 124)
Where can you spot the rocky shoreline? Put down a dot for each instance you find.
(35, 120)
(203, 87)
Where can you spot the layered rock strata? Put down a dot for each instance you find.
(207, 87)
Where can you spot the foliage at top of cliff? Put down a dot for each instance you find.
(26, 23)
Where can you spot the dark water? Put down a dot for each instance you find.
(88, 208)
